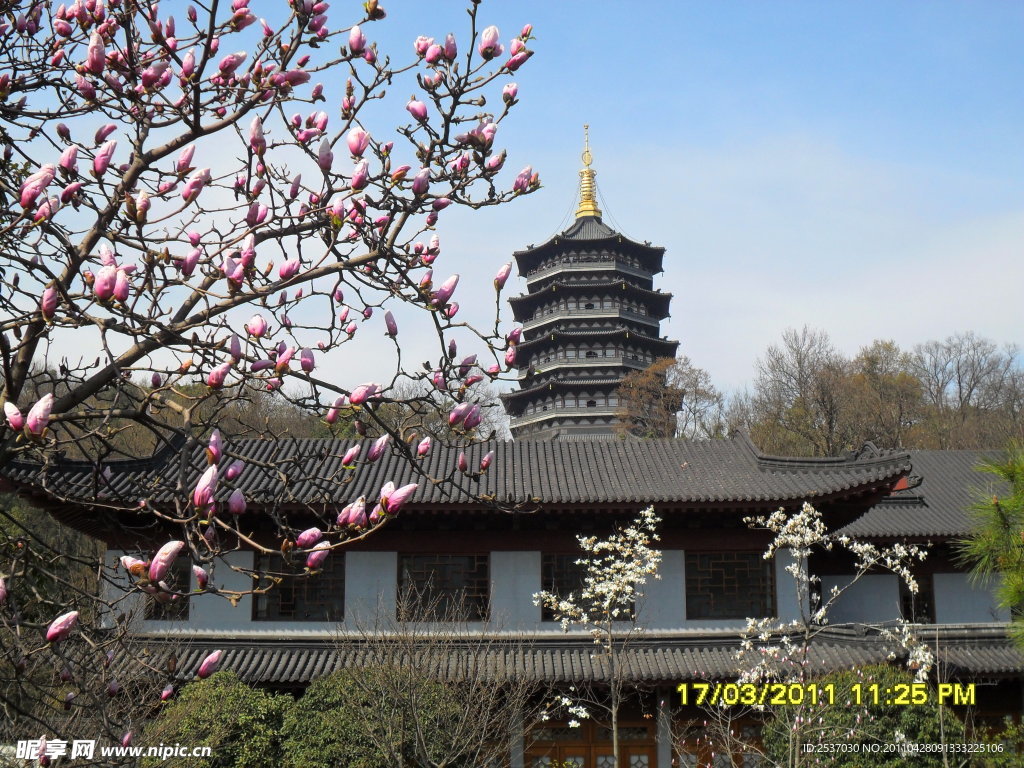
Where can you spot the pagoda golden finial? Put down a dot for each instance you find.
(588, 189)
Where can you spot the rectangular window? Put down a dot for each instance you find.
(318, 597)
(729, 585)
(445, 587)
(560, 575)
(168, 607)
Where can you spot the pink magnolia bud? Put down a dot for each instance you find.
(473, 418)
(509, 92)
(95, 55)
(325, 158)
(351, 455)
(209, 665)
(103, 131)
(62, 627)
(463, 463)
(163, 560)
(289, 269)
(458, 413)
(514, 336)
(437, 377)
(306, 360)
(360, 175)
(167, 693)
(392, 326)
(502, 277)
(510, 357)
(452, 310)
(195, 185)
(202, 577)
(103, 157)
(235, 348)
(214, 448)
(489, 46)
(184, 163)
(256, 327)
(234, 470)
(440, 203)
(15, 419)
(316, 558)
(421, 182)
(378, 447)
(308, 538)
(485, 462)
(70, 192)
(236, 502)
(121, 285)
(48, 304)
(451, 50)
(399, 173)
(442, 294)
(256, 139)
(417, 109)
(216, 377)
(358, 140)
(126, 740)
(495, 162)
(421, 44)
(188, 66)
(362, 393)
(69, 159)
(39, 416)
(356, 40)
(202, 495)
(434, 54)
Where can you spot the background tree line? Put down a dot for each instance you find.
(809, 399)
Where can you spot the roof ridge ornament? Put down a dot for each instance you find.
(588, 188)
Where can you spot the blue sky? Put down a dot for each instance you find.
(858, 167)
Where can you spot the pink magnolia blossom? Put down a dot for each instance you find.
(417, 109)
(202, 577)
(489, 46)
(421, 182)
(514, 336)
(515, 62)
(15, 419)
(121, 285)
(209, 665)
(195, 185)
(486, 461)
(509, 92)
(167, 692)
(39, 416)
(445, 291)
(231, 62)
(234, 470)
(451, 50)
(434, 54)
(458, 413)
(95, 55)
(184, 162)
(397, 499)
(424, 447)
(325, 158)
(306, 360)
(463, 463)
(62, 627)
(356, 39)
(316, 558)
(510, 357)
(473, 418)
(289, 269)
(36, 184)
(362, 393)
(216, 377)
(392, 326)
(163, 560)
(358, 140)
(202, 495)
(69, 159)
(421, 44)
(360, 175)
(103, 131)
(523, 180)
(256, 326)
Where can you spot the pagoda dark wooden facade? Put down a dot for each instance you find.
(590, 316)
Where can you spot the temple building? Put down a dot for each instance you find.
(590, 316)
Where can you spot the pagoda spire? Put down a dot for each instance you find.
(588, 189)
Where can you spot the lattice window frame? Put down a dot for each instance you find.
(706, 589)
(463, 593)
(319, 597)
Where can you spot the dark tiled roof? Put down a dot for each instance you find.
(563, 287)
(299, 473)
(938, 507)
(588, 228)
(984, 651)
(596, 333)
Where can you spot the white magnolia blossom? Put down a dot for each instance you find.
(772, 650)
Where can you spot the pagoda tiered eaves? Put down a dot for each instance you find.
(590, 316)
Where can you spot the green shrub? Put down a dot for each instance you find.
(240, 724)
(845, 722)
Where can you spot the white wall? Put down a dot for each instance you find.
(874, 598)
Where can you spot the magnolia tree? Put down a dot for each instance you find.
(190, 216)
(774, 650)
(614, 571)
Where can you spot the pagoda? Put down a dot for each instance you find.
(590, 315)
